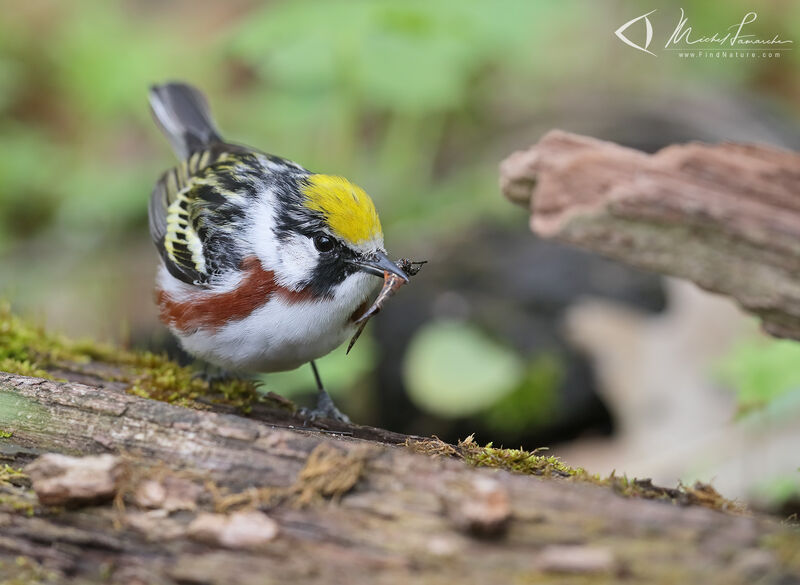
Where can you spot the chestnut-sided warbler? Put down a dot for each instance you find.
(264, 265)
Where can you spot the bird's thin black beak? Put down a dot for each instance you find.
(377, 264)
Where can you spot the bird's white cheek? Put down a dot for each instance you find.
(298, 259)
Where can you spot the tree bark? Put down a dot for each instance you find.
(339, 509)
(725, 216)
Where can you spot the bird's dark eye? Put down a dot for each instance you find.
(323, 243)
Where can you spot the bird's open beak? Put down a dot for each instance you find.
(378, 264)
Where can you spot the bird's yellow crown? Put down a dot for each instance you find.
(348, 210)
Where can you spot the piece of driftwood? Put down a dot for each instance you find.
(725, 216)
(209, 497)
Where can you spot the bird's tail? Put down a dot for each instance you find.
(182, 113)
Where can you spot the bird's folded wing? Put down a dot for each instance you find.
(196, 209)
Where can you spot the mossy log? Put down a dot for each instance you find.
(725, 216)
(214, 497)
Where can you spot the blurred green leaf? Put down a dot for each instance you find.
(411, 57)
(533, 401)
(453, 369)
(106, 58)
(31, 191)
(761, 370)
(778, 490)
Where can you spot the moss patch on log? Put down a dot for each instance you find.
(26, 349)
(533, 463)
(16, 497)
(26, 571)
(515, 460)
(11, 475)
(29, 350)
(17, 503)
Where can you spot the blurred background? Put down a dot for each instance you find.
(521, 341)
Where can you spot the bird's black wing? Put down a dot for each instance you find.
(198, 208)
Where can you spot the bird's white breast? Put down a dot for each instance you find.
(283, 334)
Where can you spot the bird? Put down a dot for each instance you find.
(264, 265)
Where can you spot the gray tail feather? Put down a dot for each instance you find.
(182, 113)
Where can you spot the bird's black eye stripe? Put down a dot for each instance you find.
(324, 243)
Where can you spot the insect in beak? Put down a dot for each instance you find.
(379, 264)
(393, 278)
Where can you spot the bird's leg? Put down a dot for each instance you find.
(325, 406)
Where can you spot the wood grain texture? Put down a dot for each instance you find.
(725, 216)
(348, 510)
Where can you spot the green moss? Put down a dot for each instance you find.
(15, 494)
(516, 460)
(31, 351)
(154, 376)
(17, 505)
(26, 571)
(23, 368)
(698, 494)
(11, 475)
(532, 463)
(26, 349)
(534, 399)
(243, 393)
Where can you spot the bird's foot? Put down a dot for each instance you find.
(325, 409)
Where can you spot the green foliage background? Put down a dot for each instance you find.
(404, 96)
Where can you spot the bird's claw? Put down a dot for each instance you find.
(325, 409)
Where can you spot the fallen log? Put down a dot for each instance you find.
(213, 497)
(725, 216)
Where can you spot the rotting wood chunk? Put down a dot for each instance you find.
(484, 510)
(245, 529)
(61, 480)
(168, 493)
(576, 559)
